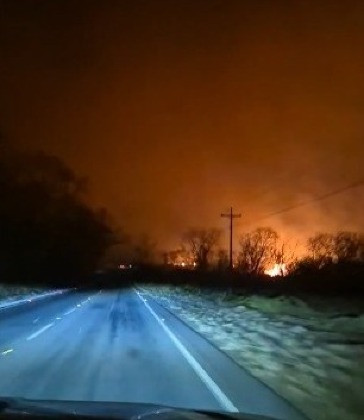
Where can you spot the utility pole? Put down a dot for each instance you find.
(231, 216)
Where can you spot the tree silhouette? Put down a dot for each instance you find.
(257, 249)
(47, 231)
(201, 243)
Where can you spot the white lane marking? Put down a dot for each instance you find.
(45, 328)
(70, 311)
(58, 317)
(35, 320)
(84, 301)
(7, 351)
(78, 305)
(220, 396)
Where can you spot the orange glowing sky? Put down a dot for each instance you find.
(176, 110)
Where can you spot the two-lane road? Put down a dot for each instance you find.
(122, 346)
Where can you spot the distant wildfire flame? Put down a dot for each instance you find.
(277, 270)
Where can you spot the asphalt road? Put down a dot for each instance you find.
(121, 346)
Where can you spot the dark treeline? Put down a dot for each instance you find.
(343, 279)
(48, 235)
(333, 264)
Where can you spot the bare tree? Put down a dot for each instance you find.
(257, 250)
(321, 247)
(201, 243)
(285, 257)
(347, 246)
(329, 248)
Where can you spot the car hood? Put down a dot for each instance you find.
(114, 410)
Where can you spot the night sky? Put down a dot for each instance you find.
(176, 110)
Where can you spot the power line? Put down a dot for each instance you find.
(265, 190)
(314, 200)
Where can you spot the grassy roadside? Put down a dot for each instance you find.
(17, 292)
(310, 352)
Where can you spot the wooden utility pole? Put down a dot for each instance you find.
(231, 216)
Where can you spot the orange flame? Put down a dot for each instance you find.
(277, 270)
